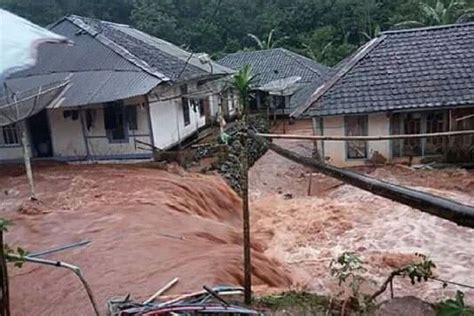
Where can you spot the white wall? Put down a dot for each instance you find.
(69, 141)
(10, 152)
(66, 136)
(167, 117)
(378, 124)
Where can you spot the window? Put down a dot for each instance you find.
(231, 100)
(10, 135)
(131, 114)
(356, 126)
(435, 123)
(412, 125)
(417, 123)
(115, 123)
(278, 101)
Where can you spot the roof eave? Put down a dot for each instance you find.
(316, 96)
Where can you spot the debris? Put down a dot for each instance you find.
(207, 301)
(54, 250)
(162, 290)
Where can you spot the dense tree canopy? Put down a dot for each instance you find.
(326, 30)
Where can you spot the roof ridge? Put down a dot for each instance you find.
(253, 51)
(427, 28)
(360, 55)
(118, 49)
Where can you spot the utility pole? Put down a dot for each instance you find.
(245, 206)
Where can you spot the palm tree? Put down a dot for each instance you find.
(372, 33)
(315, 54)
(242, 83)
(440, 12)
(269, 42)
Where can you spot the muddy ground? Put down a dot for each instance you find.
(147, 226)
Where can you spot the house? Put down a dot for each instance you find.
(402, 82)
(280, 74)
(129, 91)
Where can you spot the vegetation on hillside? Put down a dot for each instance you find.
(327, 30)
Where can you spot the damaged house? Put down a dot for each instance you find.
(402, 82)
(279, 75)
(127, 89)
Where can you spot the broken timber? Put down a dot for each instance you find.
(453, 211)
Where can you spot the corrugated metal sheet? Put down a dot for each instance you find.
(98, 73)
(86, 54)
(91, 87)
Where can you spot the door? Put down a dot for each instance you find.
(40, 135)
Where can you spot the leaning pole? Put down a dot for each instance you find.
(453, 211)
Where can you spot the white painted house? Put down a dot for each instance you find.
(413, 81)
(129, 90)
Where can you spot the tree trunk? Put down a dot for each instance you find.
(5, 299)
(246, 211)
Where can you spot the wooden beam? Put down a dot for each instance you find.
(453, 211)
(365, 138)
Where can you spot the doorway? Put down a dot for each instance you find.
(40, 135)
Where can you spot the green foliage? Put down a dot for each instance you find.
(327, 30)
(301, 303)
(17, 256)
(349, 268)
(455, 307)
(270, 42)
(4, 224)
(439, 12)
(242, 83)
(418, 271)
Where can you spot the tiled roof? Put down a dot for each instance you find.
(160, 56)
(410, 69)
(109, 62)
(273, 64)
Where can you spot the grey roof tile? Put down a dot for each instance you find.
(273, 64)
(429, 67)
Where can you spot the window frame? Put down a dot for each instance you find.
(185, 104)
(11, 130)
(109, 132)
(365, 132)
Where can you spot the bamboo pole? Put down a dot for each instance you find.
(26, 156)
(453, 211)
(366, 138)
(76, 270)
(161, 291)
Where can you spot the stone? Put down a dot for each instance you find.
(404, 306)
